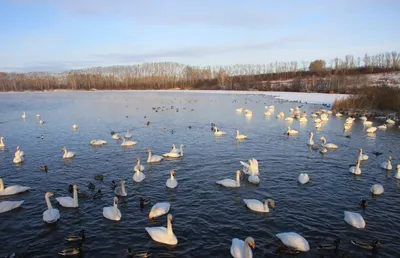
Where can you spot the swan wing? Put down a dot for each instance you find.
(227, 183)
(254, 205)
(171, 184)
(237, 248)
(254, 179)
(247, 165)
(51, 215)
(108, 213)
(160, 209)
(294, 240)
(14, 189)
(9, 205)
(66, 202)
(354, 219)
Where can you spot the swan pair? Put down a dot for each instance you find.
(126, 143)
(231, 182)
(12, 189)
(172, 182)
(328, 145)
(67, 154)
(174, 153)
(217, 132)
(18, 156)
(154, 158)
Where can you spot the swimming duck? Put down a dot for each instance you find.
(281, 248)
(99, 177)
(143, 202)
(44, 168)
(97, 195)
(70, 251)
(371, 245)
(363, 203)
(132, 253)
(79, 237)
(334, 245)
(91, 186)
(113, 184)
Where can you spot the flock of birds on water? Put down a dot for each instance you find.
(289, 242)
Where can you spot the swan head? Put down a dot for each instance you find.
(49, 194)
(172, 172)
(272, 202)
(115, 201)
(63, 149)
(18, 148)
(148, 151)
(390, 158)
(251, 242)
(311, 133)
(2, 137)
(173, 146)
(237, 131)
(75, 187)
(170, 218)
(123, 181)
(364, 203)
(238, 172)
(92, 141)
(183, 145)
(360, 149)
(137, 159)
(398, 166)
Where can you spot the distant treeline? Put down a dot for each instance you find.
(339, 75)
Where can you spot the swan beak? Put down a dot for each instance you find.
(51, 194)
(253, 245)
(172, 221)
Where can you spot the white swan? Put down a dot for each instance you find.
(2, 145)
(21, 153)
(371, 129)
(50, 215)
(390, 121)
(240, 110)
(251, 167)
(367, 123)
(249, 113)
(23, 115)
(9, 205)
(128, 135)
(328, 145)
(115, 136)
(311, 141)
(268, 113)
(126, 143)
(138, 165)
(120, 190)
(377, 189)
(112, 212)
(159, 209)
(217, 132)
(354, 219)
(75, 127)
(291, 131)
(69, 202)
(339, 114)
(387, 165)
(41, 121)
(240, 249)
(362, 156)
(67, 154)
(231, 182)
(280, 115)
(174, 154)
(240, 136)
(303, 178)
(258, 206)
(162, 234)
(302, 119)
(12, 189)
(313, 115)
(171, 182)
(138, 176)
(289, 119)
(383, 127)
(98, 142)
(356, 170)
(363, 118)
(154, 158)
(347, 126)
(18, 157)
(294, 240)
(397, 176)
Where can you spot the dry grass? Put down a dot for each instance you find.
(371, 98)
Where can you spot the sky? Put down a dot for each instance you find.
(60, 35)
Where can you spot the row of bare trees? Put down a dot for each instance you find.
(302, 76)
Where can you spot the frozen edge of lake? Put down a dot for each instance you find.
(312, 98)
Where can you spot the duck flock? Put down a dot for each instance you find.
(289, 242)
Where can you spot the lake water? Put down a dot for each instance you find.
(206, 216)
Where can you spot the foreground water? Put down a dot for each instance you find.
(206, 216)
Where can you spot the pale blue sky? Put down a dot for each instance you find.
(58, 35)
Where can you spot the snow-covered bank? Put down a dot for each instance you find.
(312, 98)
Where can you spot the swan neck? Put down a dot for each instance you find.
(169, 228)
(149, 158)
(181, 151)
(76, 197)
(1, 185)
(115, 209)
(246, 249)
(123, 188)
(172, 177)
(1, 142)
(238, 179)
(48, 203)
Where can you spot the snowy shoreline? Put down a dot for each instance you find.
(312, 98)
